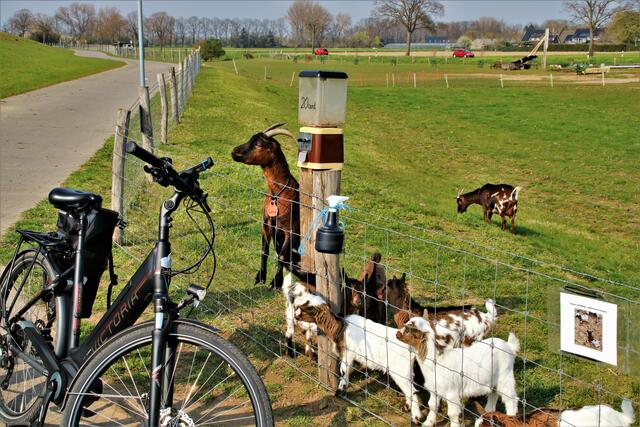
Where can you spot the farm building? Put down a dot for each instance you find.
(439, 41)
(581, 35)
(533, 34)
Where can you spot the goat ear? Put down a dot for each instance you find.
(404, 277)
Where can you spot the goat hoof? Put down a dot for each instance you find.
(261, 278)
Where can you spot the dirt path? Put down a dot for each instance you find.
(48, 133)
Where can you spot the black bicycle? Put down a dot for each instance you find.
(166, 372)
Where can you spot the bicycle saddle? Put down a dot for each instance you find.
(68, 199)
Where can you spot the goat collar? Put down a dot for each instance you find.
(275, 196)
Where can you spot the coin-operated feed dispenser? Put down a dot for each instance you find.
(321, 113)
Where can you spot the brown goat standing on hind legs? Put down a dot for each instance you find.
(281, 209)
(501, 199)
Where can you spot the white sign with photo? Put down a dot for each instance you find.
(589, 328)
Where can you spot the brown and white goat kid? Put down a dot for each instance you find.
(541, 417)
(281, 209)
(455, 326)
(291, 291)
(455, 374)
(368, 280)
(593, 415)
(501, 199)
(356, 339)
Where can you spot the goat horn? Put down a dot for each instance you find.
(273, 132)
(460, 192)
(277, 125)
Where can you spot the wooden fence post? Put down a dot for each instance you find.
(173, 87)
(184, 84)
(180, 82)
(328, 280)
(117, 167)
(146, 126)
(164, 108)
(307, 261)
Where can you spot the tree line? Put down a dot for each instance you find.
(309, 24)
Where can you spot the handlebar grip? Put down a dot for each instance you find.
(144, 155)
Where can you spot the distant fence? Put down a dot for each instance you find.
(440, 269)
(148, 123)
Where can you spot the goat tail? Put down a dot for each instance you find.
(515, 192)
(514, 342)
(492, 311)
(627, 409)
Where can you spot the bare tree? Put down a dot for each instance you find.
(110, 25)
(412, 14)
(193, 27)
(180, 30)
(296, 15)
(341, 26)
(317, 22)
(593, 13)
(131, 26)
(20, 22)
(79, 18)
(43, 26)
(161, 25)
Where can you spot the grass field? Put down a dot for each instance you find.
(574, 149)
(27, 65)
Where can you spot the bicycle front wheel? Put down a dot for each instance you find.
(207, 381)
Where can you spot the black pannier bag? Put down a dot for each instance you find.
(100, 225)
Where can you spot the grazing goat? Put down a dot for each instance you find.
(483, 368)
(455, 326)
(541, 417)
(595, 415)
(281, 209)
(598, 415)
(363, 292)
(501, 199)
(356, 339)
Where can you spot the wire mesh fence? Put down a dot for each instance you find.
(428, 274)
(418, 273)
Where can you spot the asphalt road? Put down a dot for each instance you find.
(48, 133)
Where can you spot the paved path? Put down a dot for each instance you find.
(48, 133)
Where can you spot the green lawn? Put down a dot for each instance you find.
(573, 148)
(27, 65)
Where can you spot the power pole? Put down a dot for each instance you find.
(141, 42)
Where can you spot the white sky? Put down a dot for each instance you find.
(512, 11)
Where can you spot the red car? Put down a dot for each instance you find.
(463, 53)
(321, 51)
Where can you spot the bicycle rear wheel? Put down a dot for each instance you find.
(212, 382)
(21, 386)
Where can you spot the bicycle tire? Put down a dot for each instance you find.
(13, 416)
(97, 375)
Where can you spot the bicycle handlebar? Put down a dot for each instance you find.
(164, 173)
(144, 155)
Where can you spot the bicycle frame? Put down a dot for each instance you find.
(148, 284)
